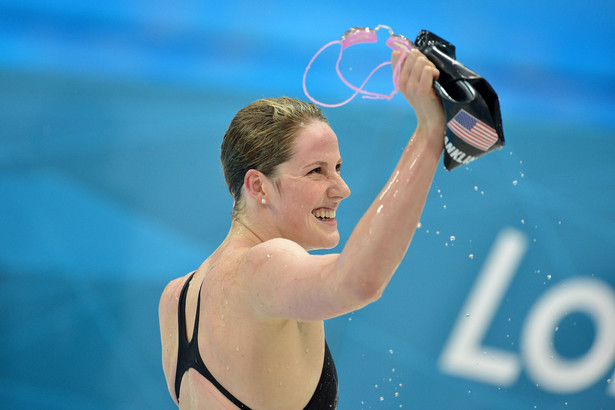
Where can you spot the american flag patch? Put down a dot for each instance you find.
(471, 130)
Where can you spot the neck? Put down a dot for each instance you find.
(240, 228)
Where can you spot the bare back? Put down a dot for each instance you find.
(264, 362)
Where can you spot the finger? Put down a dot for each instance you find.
(406, 69)
(395, 56)
(409, 63)
(418, 67)
(428, 75)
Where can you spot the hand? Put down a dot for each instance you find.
(415, 82)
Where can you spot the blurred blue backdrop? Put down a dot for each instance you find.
(111, 118)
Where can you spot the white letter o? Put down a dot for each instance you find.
(555, 374)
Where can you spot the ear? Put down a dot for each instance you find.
(254, 182)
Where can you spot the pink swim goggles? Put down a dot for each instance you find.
(358, 35)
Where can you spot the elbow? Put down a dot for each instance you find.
(368, 292)
(362, 285)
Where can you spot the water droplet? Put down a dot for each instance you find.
(375, 386)
(269, 255)
(391, 351)
(396, 394)
(522, 221)
(471, 256)
(393, 370)
(437, 232)
(515, 182)
(418, 226)
(559, 222)
(549, 277)
(469, 391)
(381, 398)
(556, 328)
(349, 319)
(444, 206)
(467, 315)
(608, 380)
(401, 385)
(475, 188)
(482, 192)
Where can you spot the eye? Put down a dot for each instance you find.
(316, 171)
(338, 168)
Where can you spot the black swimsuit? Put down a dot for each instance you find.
(188, 357)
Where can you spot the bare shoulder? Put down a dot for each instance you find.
(271, 251)
(170, 294)
(167, 311)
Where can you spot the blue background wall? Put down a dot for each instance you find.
(111, 117)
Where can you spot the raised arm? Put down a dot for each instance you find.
(382, 236)
(287, 282)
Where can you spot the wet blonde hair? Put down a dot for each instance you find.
(261, 137)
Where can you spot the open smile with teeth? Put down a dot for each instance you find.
(324, 214)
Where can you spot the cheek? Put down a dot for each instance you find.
(300, 198)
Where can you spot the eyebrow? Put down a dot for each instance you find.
(321, 163)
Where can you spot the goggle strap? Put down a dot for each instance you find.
(315, 101)
(367, 94)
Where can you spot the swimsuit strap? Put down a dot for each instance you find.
(188, 356)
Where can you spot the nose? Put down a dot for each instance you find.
(339, 189)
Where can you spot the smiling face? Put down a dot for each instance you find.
(310, 189)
